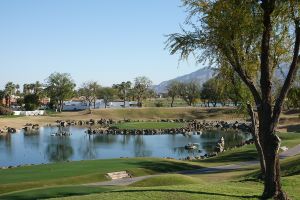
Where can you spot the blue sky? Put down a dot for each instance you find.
(106, 41)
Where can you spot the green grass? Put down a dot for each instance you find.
(153, 113)
(148, 125)
(83, 172)
(166, 102)
(240, 184)
(165, 180)
(290, 166)
(228, 191)
(55, 192)
(247, 152)
(235, 189)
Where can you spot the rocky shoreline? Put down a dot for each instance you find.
(192, 127)
(106, 126)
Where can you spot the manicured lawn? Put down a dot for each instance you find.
(169, 179)
(83, 172)
(149, 125)
(217, 191)
(247, 152)
(239, 184)
(55, 192)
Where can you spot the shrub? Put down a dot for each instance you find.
(159, 104)
(5, 111)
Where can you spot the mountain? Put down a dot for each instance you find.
(204, 74)
(201, 76)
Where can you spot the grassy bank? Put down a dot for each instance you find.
(128, 113)
(83, 172)
(149, 125)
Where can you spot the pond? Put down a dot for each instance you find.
(21, 148)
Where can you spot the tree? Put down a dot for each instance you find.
(34, 88)
(293, 96)
(173, 90)
(2, 96)
(10, 90)
(141, 88)
(106, 93)
(89, 92)
(60, 87)
(31, 101)
(253, 38)
(123, 89)
(213, 91)
(189, 92)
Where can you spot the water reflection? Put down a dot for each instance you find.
(87, 148)
(45, 146)
(59, 150)
(6, 143)
(140, 149)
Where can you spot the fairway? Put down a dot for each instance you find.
(149, 125)
(79, 172)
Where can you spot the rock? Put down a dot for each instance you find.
(190, 158)
(284, 148)
(220, 147)
(11, 130)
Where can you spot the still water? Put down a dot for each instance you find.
(21, 148)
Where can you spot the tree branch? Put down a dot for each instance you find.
(290, 77)
(235, 63)
(256, 139)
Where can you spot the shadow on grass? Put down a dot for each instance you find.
(293, 128)
(212, 170)
(54, 193)
(192, 192)
(165, 166)
(240, 156)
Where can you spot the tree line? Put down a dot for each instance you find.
(224, 88)
(60, 87)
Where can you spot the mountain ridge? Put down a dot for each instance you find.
(201, 75)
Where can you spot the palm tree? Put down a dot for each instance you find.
(10, 90)
(123, 89)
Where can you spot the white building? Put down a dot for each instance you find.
(120, 104)
(79, 105)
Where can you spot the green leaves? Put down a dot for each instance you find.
(60, 87)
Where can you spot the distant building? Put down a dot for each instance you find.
(120, 104)
(117, 104)
(82, 105)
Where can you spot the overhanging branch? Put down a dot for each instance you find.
(290, 77)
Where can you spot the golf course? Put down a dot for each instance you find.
(233, 174)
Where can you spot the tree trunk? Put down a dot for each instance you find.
(257, 140)
(60, 106)
(172, 101)
(270, 143)
(272, 183)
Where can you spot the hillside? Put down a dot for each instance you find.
(201, 76)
